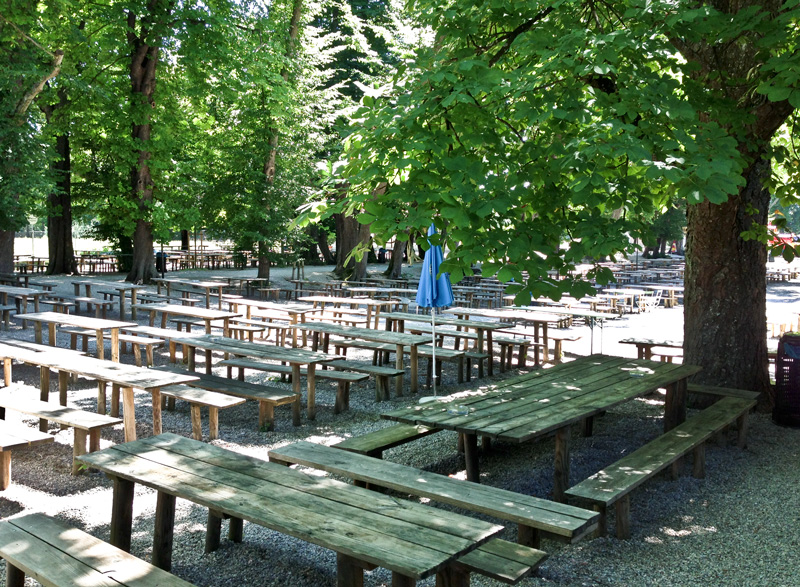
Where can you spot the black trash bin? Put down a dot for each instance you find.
(161, 262)
(787, 381)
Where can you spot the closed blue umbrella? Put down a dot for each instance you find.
(434, 290)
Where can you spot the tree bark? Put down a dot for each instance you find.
(349, 234)
(61, 254)
(725, 325)
(321, 239)
(396, 262)
(185, 240)
(264, 260)
(145, 46)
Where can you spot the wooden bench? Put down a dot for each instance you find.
(80, 421)
(155, 298)
(381, 373)
(280, 328)
(374, 443)
(13, 437)
(55, 554)
(613, 485)
(343, 379)
(559, 338)
(58, 305)
(380, 348)
(165, 334)
(644, 346)
(268, 397)
(534, 516)
(198, 398)
(503, 561)
(722, 391)
(136, 341)
(472, 355)
(6, 313)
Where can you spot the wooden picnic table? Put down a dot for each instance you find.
(126, 377)
(295, 313)
(400, 340)
(21, 293)
(207, 286)
(122, 289)
(552, 400)
(99, 325)
(483, 329)
(540, 320)
(365, 528)
(207, 315)
(644, 346)
(297, 358)
(372, 306)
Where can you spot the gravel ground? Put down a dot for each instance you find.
(738, 526)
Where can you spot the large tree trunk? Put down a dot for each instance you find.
(264, 260)
(185, 240)
(61, 254)
(7, 251)
(725, 276)
(321, 238)
(144, 57)
(349, 234)
(396, 262)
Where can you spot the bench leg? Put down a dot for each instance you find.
(623, 512)
(7, 372)
(197, 426)
(452, 577)
(557, 351)
(342, 397)
(741, 428)
(235, 530)
(266, 415)
(5, 469)
(115, 400)
(213, 423)
(529, 536)
(699, 464)
(78, 449)
(349, 572)
(137, 354)
(164, 530)
(14, 576)
(471, 457)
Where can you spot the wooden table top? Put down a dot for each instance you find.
(21, 291)
(369, 334)
(254, 349)
(447, 320)
(409, 538)
(191, 311)
(75, 320)
(524, 407)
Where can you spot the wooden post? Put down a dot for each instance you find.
(122, 513)
(561, 468)
(163, 532)
(471, 457)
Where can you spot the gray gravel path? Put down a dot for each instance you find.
(738, 526)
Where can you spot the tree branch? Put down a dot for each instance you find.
(510, 37)
(30, 95)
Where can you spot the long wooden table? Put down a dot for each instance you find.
(22, 293)
(126, 377)
(483, 329)
(552, 400)
(206, 286)
(99, 325)
(399, 339)
(365, 528)
(295, 313)
(207, 315)
(297, 358)
(122, 289)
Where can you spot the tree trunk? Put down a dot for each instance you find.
(396, 262)
(725, 276)
(7, 251)
(349, 234)
(264, 260)
(185, 240)
(321, 238)
(61, 254)
(144, 58)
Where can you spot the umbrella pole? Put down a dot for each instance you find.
(433, 329)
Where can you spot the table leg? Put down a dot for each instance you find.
(311, 408)
(51, 334)
(471, 457)
(414, 364)
(37, 332)
(398, 363)
(156, 392)
(452, 577)
(133, 304)
(163, 533)
(128, 414)
(7, 371)
(561, 468)
(122, 514)
(122, 304)
(675, 405)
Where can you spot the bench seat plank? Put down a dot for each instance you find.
(543, 515)
(374, 443)
(503, 560)
(53, 553)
